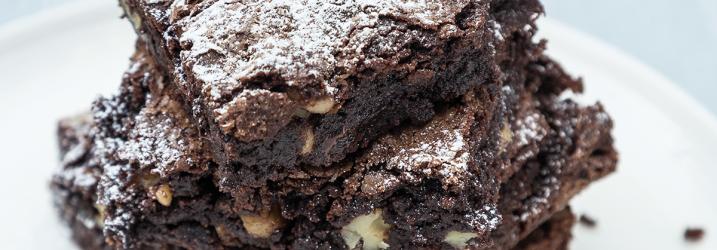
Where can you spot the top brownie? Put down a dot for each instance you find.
(286, 82)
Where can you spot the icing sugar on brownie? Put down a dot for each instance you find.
(301, 42)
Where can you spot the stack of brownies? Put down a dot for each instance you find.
(332, 124)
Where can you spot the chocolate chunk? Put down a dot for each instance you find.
(694, 234)
(587, 221)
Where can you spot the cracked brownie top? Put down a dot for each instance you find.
(272, 61)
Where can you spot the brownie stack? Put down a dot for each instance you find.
(341, 124)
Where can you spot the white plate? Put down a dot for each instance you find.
(55, 64)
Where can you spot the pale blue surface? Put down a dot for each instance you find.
(676, 37)
(12, 9)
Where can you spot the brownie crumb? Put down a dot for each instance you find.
(587, 221)
(694, 234)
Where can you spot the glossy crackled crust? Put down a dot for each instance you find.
(393, 68)
(551, 145)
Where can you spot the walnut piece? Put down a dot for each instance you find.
(133, 17)
(101, 215)
(321, 106)
(369, 229)
(164, 195)
(309, 140)
(226, 236)
(506, 136)
(302, 113)
(264, 224)
(459, 240)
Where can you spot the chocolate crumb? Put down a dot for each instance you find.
(694, 234)
(587, 221)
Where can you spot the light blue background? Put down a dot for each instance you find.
(676, 37)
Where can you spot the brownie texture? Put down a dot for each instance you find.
(254, 75)
(74, 186)
(487, 170)
(555, 234)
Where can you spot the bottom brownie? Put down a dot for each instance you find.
(74, 191)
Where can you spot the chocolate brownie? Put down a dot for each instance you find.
(485, 172)
(74, 186)
(255, 75)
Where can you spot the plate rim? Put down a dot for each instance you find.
(660, 86)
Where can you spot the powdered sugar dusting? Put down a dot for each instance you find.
(121, 221)
(536, 204)
(81, 176)
(486, 219)
(303, 41)
(138, 131)
(497, 30)
(154, 143)
(446, 156)
(78, 168)
(529, 129)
